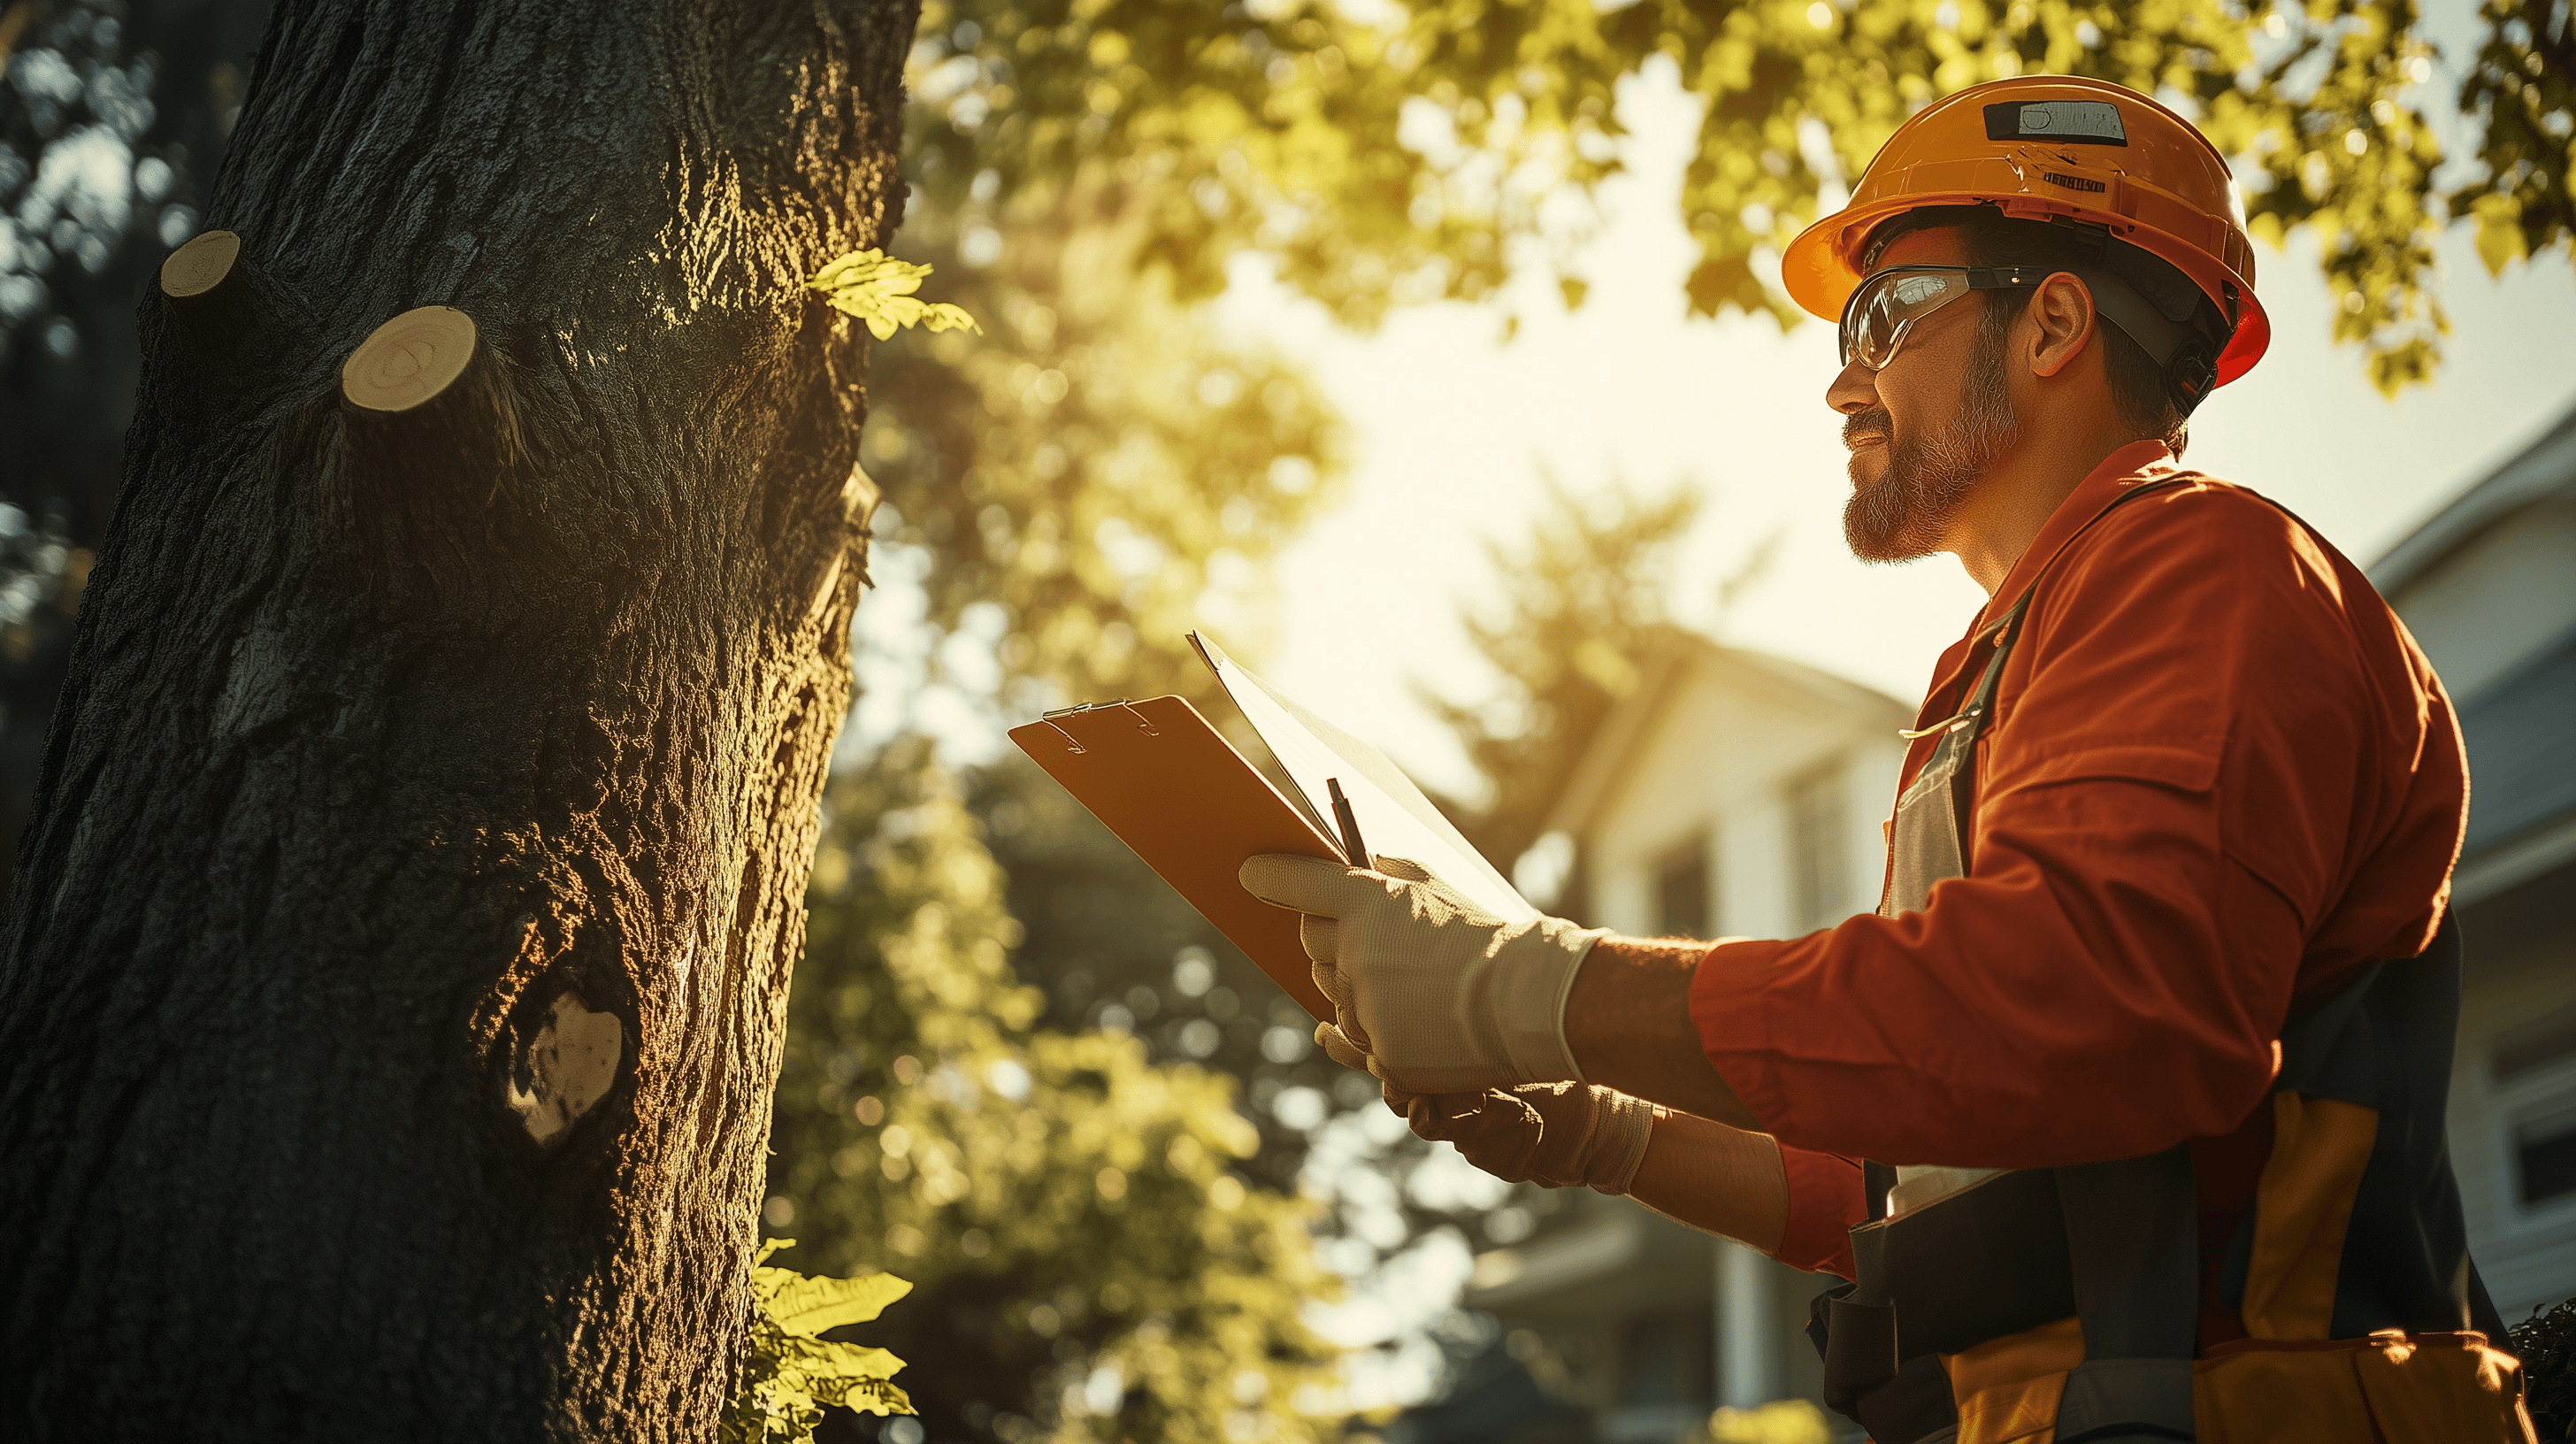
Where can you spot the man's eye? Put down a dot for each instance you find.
(1915, 290)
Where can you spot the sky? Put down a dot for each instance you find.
(1452, 429)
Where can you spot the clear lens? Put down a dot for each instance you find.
(1887, 305)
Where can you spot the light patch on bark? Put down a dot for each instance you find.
(859, 496)
(259, 684)
(823, 593)
(566, 1070)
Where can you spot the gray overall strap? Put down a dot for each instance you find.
(1927, 843)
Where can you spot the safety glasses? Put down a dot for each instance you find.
(1883, 308)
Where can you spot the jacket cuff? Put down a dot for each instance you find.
(1729, 1010)
(1825, 1202)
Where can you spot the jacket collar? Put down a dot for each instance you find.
(2136, 464)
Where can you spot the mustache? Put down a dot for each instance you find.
(1874, 422)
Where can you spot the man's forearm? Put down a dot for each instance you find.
(1628, 1023)
(1716, 1179)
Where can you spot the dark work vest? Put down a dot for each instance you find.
(1974, 1255)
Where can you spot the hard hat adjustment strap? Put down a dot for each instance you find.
(2180, 349)
(2153, 304)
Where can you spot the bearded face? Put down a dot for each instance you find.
(1905, 513)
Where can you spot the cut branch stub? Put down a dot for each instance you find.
(221, 297)
(406, 362)
(565, 1070)
(200, 266)
(427, 379)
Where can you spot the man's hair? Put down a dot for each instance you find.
(1988, 237)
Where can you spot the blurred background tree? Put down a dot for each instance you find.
(1585, 610)
(112, 117)
(1091, 1266)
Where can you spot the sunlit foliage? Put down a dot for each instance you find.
(1785, 1421)
(1104, 467)
(2521, 94)
(1411, 153)
(790, 1373)
(878, 289)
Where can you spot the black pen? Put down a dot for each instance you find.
(1351, 844)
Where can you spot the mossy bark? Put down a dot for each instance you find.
(377, 765)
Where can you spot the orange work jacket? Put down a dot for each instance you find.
(2219, 773)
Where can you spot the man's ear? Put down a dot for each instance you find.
(2061, 311)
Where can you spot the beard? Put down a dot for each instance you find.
(1906, 512)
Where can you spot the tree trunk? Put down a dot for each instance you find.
(395, 974)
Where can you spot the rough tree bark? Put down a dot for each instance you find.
(394, 979)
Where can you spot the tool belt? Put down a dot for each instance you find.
(2110, 1244)
(2115, 1246)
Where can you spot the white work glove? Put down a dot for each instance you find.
(1446, 997)
(1556, 1135)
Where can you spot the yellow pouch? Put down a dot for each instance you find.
(2390, 1388)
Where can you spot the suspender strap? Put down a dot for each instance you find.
(1974, 718)
(1977, 710)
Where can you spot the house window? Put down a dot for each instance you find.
(2534, 1067)
(1682, 902)
(2544, 1158)
(1819, 860)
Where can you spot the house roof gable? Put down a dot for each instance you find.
(1613, 750)
(2545, 468)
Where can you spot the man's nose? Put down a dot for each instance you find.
(1856, 389)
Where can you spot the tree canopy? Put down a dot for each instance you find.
(1396, 152)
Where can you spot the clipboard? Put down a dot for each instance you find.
(1156, 774)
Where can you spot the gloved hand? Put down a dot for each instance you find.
(1558, 1135)
(1444, 996)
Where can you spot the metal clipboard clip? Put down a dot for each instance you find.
(1142, 724)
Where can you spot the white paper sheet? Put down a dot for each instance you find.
(1395, 819)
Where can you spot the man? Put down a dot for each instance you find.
(2147, 1045)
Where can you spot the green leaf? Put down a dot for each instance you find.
(851, 1375)
(877, 1397)
(818, 1364)
(2500, 241)
(789, 1376)
(808, 1306)
(878, 290)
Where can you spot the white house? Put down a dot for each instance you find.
(2488, 587)
(1731, 793)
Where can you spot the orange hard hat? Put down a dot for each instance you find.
(2055, 146)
